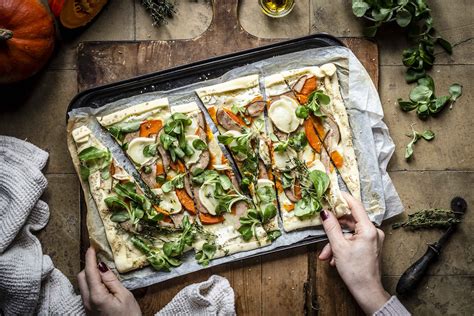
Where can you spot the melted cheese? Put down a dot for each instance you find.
(282, 113)
(135, 150)
(264, 183)
(285, 160)
(206, 195)
(188, 161)
(264, 152)
(168, 201)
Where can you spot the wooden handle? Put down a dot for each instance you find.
(413, 275)
(225, 18)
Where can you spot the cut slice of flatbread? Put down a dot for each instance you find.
(137, 129)
(237, 108)
(125, 255)
(336, 130)
(213, 185)
(297, 149)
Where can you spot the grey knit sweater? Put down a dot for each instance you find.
(393, 307)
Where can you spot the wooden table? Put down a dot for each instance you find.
(440, 170)
(267, 285)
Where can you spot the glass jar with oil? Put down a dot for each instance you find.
(276, 8)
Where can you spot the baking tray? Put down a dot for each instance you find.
(188, 74)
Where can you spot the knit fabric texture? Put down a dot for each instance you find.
(393, 307)
(29, 283)
(211, 297)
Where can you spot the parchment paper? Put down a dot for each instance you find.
(372, 144)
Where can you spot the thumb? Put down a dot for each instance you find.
(110, 280)
(333, 229)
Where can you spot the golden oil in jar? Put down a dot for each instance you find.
(276, 8)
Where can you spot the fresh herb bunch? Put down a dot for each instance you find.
(424, 101)
(429, 218)
(159, 10)
(315, 102)
(314, 185)
(426, 135)
(173, 137)
(415, 15)
(93, 159)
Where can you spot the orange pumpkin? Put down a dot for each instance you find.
(26, 39)
(77, 13)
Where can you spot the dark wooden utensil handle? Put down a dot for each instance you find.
(413, 275)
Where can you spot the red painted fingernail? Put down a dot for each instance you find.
(324, 215)
(102, 267)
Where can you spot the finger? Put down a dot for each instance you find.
(326, 253)
(96, 288)
(110, 280)
(357, 210)
(333, 229)
(348, 222)
(84, 289)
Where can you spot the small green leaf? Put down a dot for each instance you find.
(273, 235)
(302, 112)
(114, 204)
(409, 151)
(381, 14)
(359, 8)
(428, 135)
(445, 45)
(199, 144)
(413, 75)
(120, 217)
(246, 231)
(455, 90)
(436, 105)
(403, 17)
(371, 31)
(428, 82)
(407, 106)
(420, 93)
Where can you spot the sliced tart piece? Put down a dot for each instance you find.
(237, 108)
(330, 119)
(300, 164)
(219, 202)
(124, 210)
(138, 130)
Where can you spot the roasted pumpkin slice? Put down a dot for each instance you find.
(77, 13)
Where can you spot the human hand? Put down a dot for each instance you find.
(356, 257)
(102, 293)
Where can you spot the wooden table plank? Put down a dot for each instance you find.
(275, 284)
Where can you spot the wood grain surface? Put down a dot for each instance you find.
(290, 283)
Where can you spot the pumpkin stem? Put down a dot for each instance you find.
(5, 34)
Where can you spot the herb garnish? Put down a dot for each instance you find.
(314, 185)
(175, 248)
(93, 159)
(120, 129)
(223, 190)
(297, 142)
(128, 205)
(426, 135)
(205, 255)
(159, 10)
(429, 218)
(315, 101)
(176, 182)
(241, 147)
(156, 257)
(173, 137)
(423, 99)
